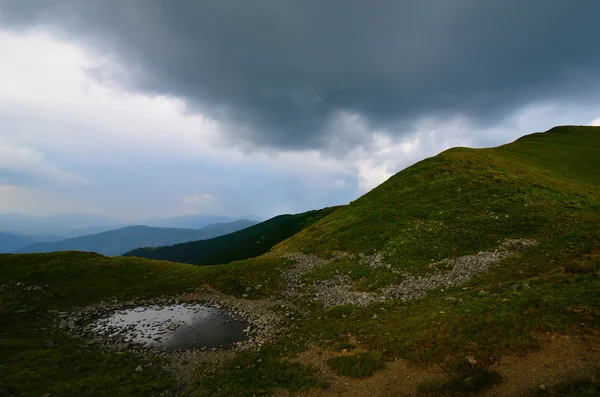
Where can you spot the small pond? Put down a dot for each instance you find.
(174, 327)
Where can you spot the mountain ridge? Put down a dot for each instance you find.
(250, 242)
(119, 241)
(72, 225)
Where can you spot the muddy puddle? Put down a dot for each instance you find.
(173, 327)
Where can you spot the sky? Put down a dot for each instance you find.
(145, 108)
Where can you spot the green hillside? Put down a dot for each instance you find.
(247, 243)
(434, 284)
(117, 242)
(466, 200)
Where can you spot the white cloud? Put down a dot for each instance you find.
(49, 81)
(371, 174)
(25, 161)
(596, 122)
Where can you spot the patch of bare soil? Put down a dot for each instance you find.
(561, 359)
(396, 378)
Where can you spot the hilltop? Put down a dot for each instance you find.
(474, 272)
(467, 200)
(117, 242)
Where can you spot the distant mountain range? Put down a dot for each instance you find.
(117, 242)
(10, 242)
(63, 226)
(197, 221)
(244, 244)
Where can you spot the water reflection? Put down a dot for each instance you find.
(174, 327)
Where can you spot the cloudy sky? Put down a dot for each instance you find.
(146, 108)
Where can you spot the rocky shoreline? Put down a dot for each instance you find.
(264, 323)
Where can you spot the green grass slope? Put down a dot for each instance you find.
(466, 200)
(247, 243)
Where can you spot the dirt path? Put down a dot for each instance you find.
(397, 378)
(561, 359)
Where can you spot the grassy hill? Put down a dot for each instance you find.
(466, 200)
(117, 242)
(456, 339)
(248, 243)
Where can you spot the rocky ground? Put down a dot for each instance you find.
(338, 290)
(270, 318)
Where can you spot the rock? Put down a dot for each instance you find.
(139, 368)
(50, 345)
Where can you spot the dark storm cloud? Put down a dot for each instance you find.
(278, 70)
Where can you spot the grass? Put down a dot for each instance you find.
(494, 316)
(71, 368)
(543, 186)
(359, 365)
(466, 200)
(257, 374)
(68, 279)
